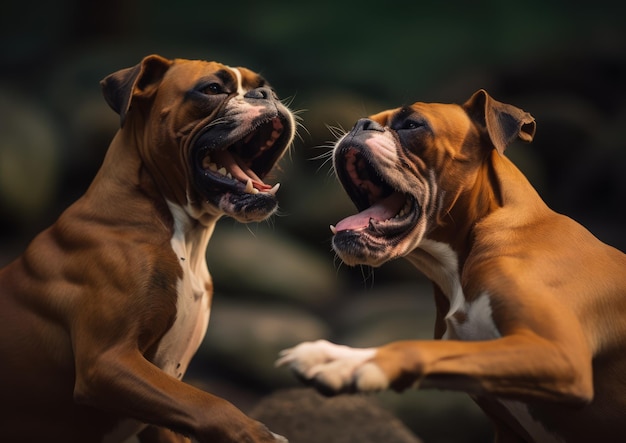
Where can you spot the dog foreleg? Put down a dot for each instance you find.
(520, 365)
(125, 382)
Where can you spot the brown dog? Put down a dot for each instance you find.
(531, 306)
(101, 315)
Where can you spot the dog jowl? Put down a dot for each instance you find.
(101, 315)
(530, 305)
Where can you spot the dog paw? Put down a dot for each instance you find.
(279, 438)
(334, 369)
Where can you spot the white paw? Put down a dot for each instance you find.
(335, 368)
(280, 438)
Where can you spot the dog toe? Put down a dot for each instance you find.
(370, 377)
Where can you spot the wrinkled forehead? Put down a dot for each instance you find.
(236, 79)
(443, 116)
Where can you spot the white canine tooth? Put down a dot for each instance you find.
(249, 188)
(333, 229)
(222, 170)
(274, 189)
(229, 175)
(255, 191)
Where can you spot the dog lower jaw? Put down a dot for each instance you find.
(359, 248)
(247, 208)
(368, 246)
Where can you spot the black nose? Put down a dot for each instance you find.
(365, 124)
(260, 93)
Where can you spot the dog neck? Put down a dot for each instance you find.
(442, 253)
(486, 193)
(126, 171)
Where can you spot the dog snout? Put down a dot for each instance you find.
(365, 124)
(263, 93)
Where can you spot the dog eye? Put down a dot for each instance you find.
(213, 88)
(411, 124)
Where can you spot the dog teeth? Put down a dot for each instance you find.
(208, 164)
(333, 229)
(278, 130)
(274, 189)
(405, 210)
(250, 189)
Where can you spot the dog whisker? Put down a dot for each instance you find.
(367, 272)
(325, 156)
(337, 131)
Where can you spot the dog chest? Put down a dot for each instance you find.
(472, 321)
(182, 340)
(465, 320)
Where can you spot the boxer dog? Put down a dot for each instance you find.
(101, 315)
(531, 307)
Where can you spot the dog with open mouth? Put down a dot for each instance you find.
(531, 307)
(101, 315)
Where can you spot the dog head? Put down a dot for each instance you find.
(406, 168)
(208, 134)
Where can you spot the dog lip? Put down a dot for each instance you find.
(239, 165)
(384, 210)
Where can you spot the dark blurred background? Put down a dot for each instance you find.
(279, 283)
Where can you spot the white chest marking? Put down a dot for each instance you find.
(472, 321)
(465, 320)
(182, 340)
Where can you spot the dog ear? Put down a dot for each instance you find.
(502, 123)
(120, 87)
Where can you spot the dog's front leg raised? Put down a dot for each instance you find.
(521, 365)
(121, 380)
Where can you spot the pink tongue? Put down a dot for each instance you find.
(380, 211)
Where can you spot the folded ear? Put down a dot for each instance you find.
(502, 123)
(120, 87)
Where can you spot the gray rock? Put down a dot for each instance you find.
(304, 416)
